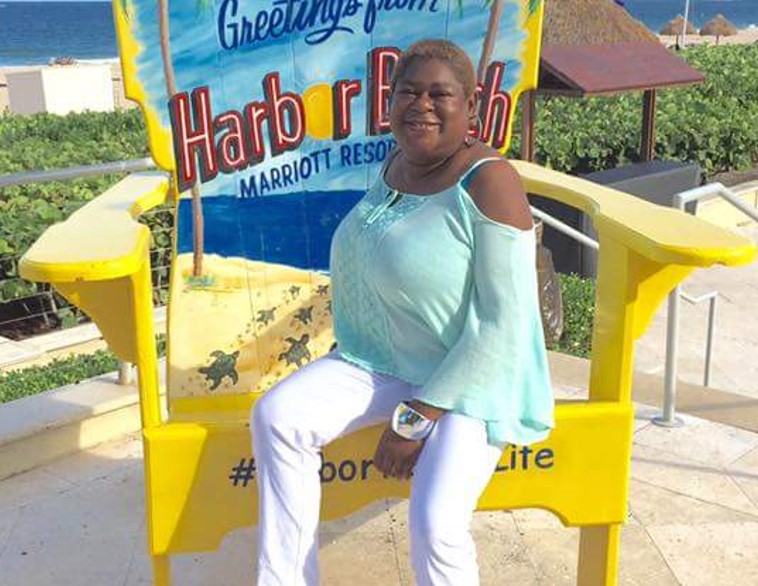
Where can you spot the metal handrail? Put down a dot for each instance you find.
(565, 228)
(76, 172)
(668, 418)
(712, 298)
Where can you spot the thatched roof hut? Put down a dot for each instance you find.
(674, 27)
(594, 47)
(718, 27)
(591, 22)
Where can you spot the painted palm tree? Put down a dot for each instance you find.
(493, 25)
(170, 79)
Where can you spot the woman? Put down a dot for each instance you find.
(436, 316)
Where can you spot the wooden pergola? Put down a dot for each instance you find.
(594, 47)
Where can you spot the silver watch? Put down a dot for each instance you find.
(410, 424)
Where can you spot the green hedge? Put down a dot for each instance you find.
(578, 296)
(60, 372)
(714, 123)
(47, 141)
(32, 380)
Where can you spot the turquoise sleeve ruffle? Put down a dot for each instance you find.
(497, 370)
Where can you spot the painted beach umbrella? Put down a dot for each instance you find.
(675, 27)
(718, 27)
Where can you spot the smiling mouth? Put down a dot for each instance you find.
(414, 125)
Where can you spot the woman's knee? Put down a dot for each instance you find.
(270, 412)
(434, 527)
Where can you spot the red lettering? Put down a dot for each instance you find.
(255, 114)
(381, 61)
(190, 140)
(231, 151)
(342, 92)
(278, 104)
(495, 107)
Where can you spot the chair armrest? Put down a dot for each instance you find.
(102, 240)
(99, 260)
(661, 234)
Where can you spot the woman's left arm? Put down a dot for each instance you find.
(497, 370)
(498, 194)
(501, 342)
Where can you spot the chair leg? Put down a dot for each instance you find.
(599, 555)
(161, 570)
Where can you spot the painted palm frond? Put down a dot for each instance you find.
(124, 4)
(203, 5)
(532, 5)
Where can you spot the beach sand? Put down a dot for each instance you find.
(744, 36)
(264, 319)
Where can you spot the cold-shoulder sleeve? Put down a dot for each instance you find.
(497, 369)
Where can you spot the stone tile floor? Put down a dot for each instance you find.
(693, 521)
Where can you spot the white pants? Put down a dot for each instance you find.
(329, 398)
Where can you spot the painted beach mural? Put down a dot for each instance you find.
(273, 116)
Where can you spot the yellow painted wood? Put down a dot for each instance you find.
(102, 240)
(599, 555)
(161, 570)
(658, 233)
(193, 501)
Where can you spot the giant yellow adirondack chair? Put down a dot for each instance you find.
(277, 112)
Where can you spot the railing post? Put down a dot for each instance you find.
(124, 373)
(709, 343)
(668, 418)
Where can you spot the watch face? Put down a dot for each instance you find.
(409, 423)
(408, 417)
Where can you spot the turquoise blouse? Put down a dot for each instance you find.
(428, 289)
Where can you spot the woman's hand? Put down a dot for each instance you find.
(396, 456)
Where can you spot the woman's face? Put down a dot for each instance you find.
(430, 112)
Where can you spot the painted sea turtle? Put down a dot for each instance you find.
(305, 314)
(222, 365)
(297, 352)
(322, 290)
(294, 291)
(265, 315)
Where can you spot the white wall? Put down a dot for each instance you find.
(61, 89)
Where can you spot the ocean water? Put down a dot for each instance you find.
(32, 33)
(261, 228)
(35, 32)
(656, 13)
